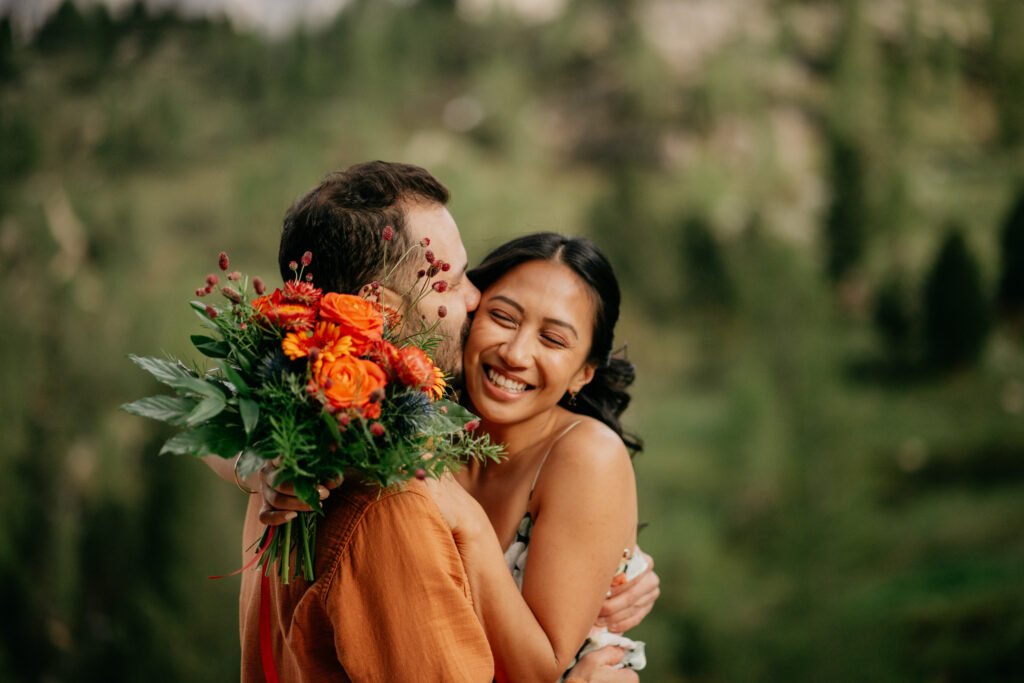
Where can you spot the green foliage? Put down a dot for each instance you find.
(895, 319)
(954, 305)
(847, 218)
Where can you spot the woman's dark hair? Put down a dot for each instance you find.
(605, 396)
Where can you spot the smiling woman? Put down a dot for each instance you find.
(539, 373)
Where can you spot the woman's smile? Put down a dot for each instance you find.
(504, 381)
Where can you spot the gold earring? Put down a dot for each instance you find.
(572, 397)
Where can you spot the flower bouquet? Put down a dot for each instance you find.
(325, 385)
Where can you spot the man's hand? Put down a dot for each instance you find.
(280, 504)
(629, 603)
(599, 667)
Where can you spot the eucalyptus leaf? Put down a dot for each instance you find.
(209, 407)
(210, 347)
(249, 461)
(250, 411)
(170, 409)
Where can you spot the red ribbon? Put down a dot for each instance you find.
(254, 560)
(266, 647)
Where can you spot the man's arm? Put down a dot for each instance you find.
(400, 601)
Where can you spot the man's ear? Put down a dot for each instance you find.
(390, 297)
(582, 377)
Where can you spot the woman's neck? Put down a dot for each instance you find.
(519, 436)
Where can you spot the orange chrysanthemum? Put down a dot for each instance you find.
(290, 316)
(384, 354)
(348, 382)
(359, 318)
(327, 337)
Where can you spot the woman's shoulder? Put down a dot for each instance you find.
(589, 450)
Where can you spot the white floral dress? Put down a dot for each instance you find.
(632, 565)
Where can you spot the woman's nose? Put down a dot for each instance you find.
(514, 351)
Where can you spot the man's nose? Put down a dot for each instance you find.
(472, 296)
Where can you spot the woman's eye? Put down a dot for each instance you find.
(502, 317)
(557, 341)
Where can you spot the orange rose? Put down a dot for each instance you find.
(290, 316)
(359, 318)
(348, 382)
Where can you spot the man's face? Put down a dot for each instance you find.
(459, 297)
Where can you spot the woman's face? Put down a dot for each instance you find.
(529, 342)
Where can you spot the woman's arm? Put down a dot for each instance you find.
(586, 516)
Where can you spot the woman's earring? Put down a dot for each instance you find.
(572, 397)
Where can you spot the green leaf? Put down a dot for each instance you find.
(250, 411)
(210, 347)
(241, 386)
(208, 439)
(171, 409)
(195, 385)
(450, 421)
(209, 407)
(248, 462)
(166, 371)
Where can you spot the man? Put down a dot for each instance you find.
(391, 601)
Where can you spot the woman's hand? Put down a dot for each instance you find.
(599, 667)
(460, 510)
(280, 503)
(627, 604)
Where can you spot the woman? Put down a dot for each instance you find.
(539, 372)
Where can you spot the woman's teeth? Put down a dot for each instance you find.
(503, 382)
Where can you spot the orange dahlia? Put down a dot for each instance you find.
(415, 369)
(302, 293)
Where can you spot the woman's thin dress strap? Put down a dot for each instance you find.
(545, 458)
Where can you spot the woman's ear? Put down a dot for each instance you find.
(582, 377)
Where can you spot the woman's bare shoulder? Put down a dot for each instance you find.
(590, 450)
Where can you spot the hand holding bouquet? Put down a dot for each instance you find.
(322, 383)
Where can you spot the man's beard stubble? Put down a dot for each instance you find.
(448, 355)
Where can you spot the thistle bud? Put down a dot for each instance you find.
(258, 285)
(377, 395)
(374, 286)
(307, 258)
(421, 473)
(310, 388)
(425, 242)
(201, 291)
(442, 311)
(444, 410)
(222, 260)
(231, 294)
(440, 286)
(433, 270)
(243, 326)
(211, 312)
(234, 276)
(389, 232)
(429, 256)
(331, 409)
(212, 280)
(343, 420)
(420, 274)
(472, 425)
(309, 277)
(292, 265)
(208, 289)
(446, 266)
(377, 429)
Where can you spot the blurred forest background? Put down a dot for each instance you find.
(817, 212)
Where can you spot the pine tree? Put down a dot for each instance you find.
(1010, 295)
(847, 216)
(956, 312)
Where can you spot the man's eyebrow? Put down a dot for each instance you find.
(550, 321)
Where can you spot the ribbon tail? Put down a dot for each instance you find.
(266, 647)
(250, 563)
